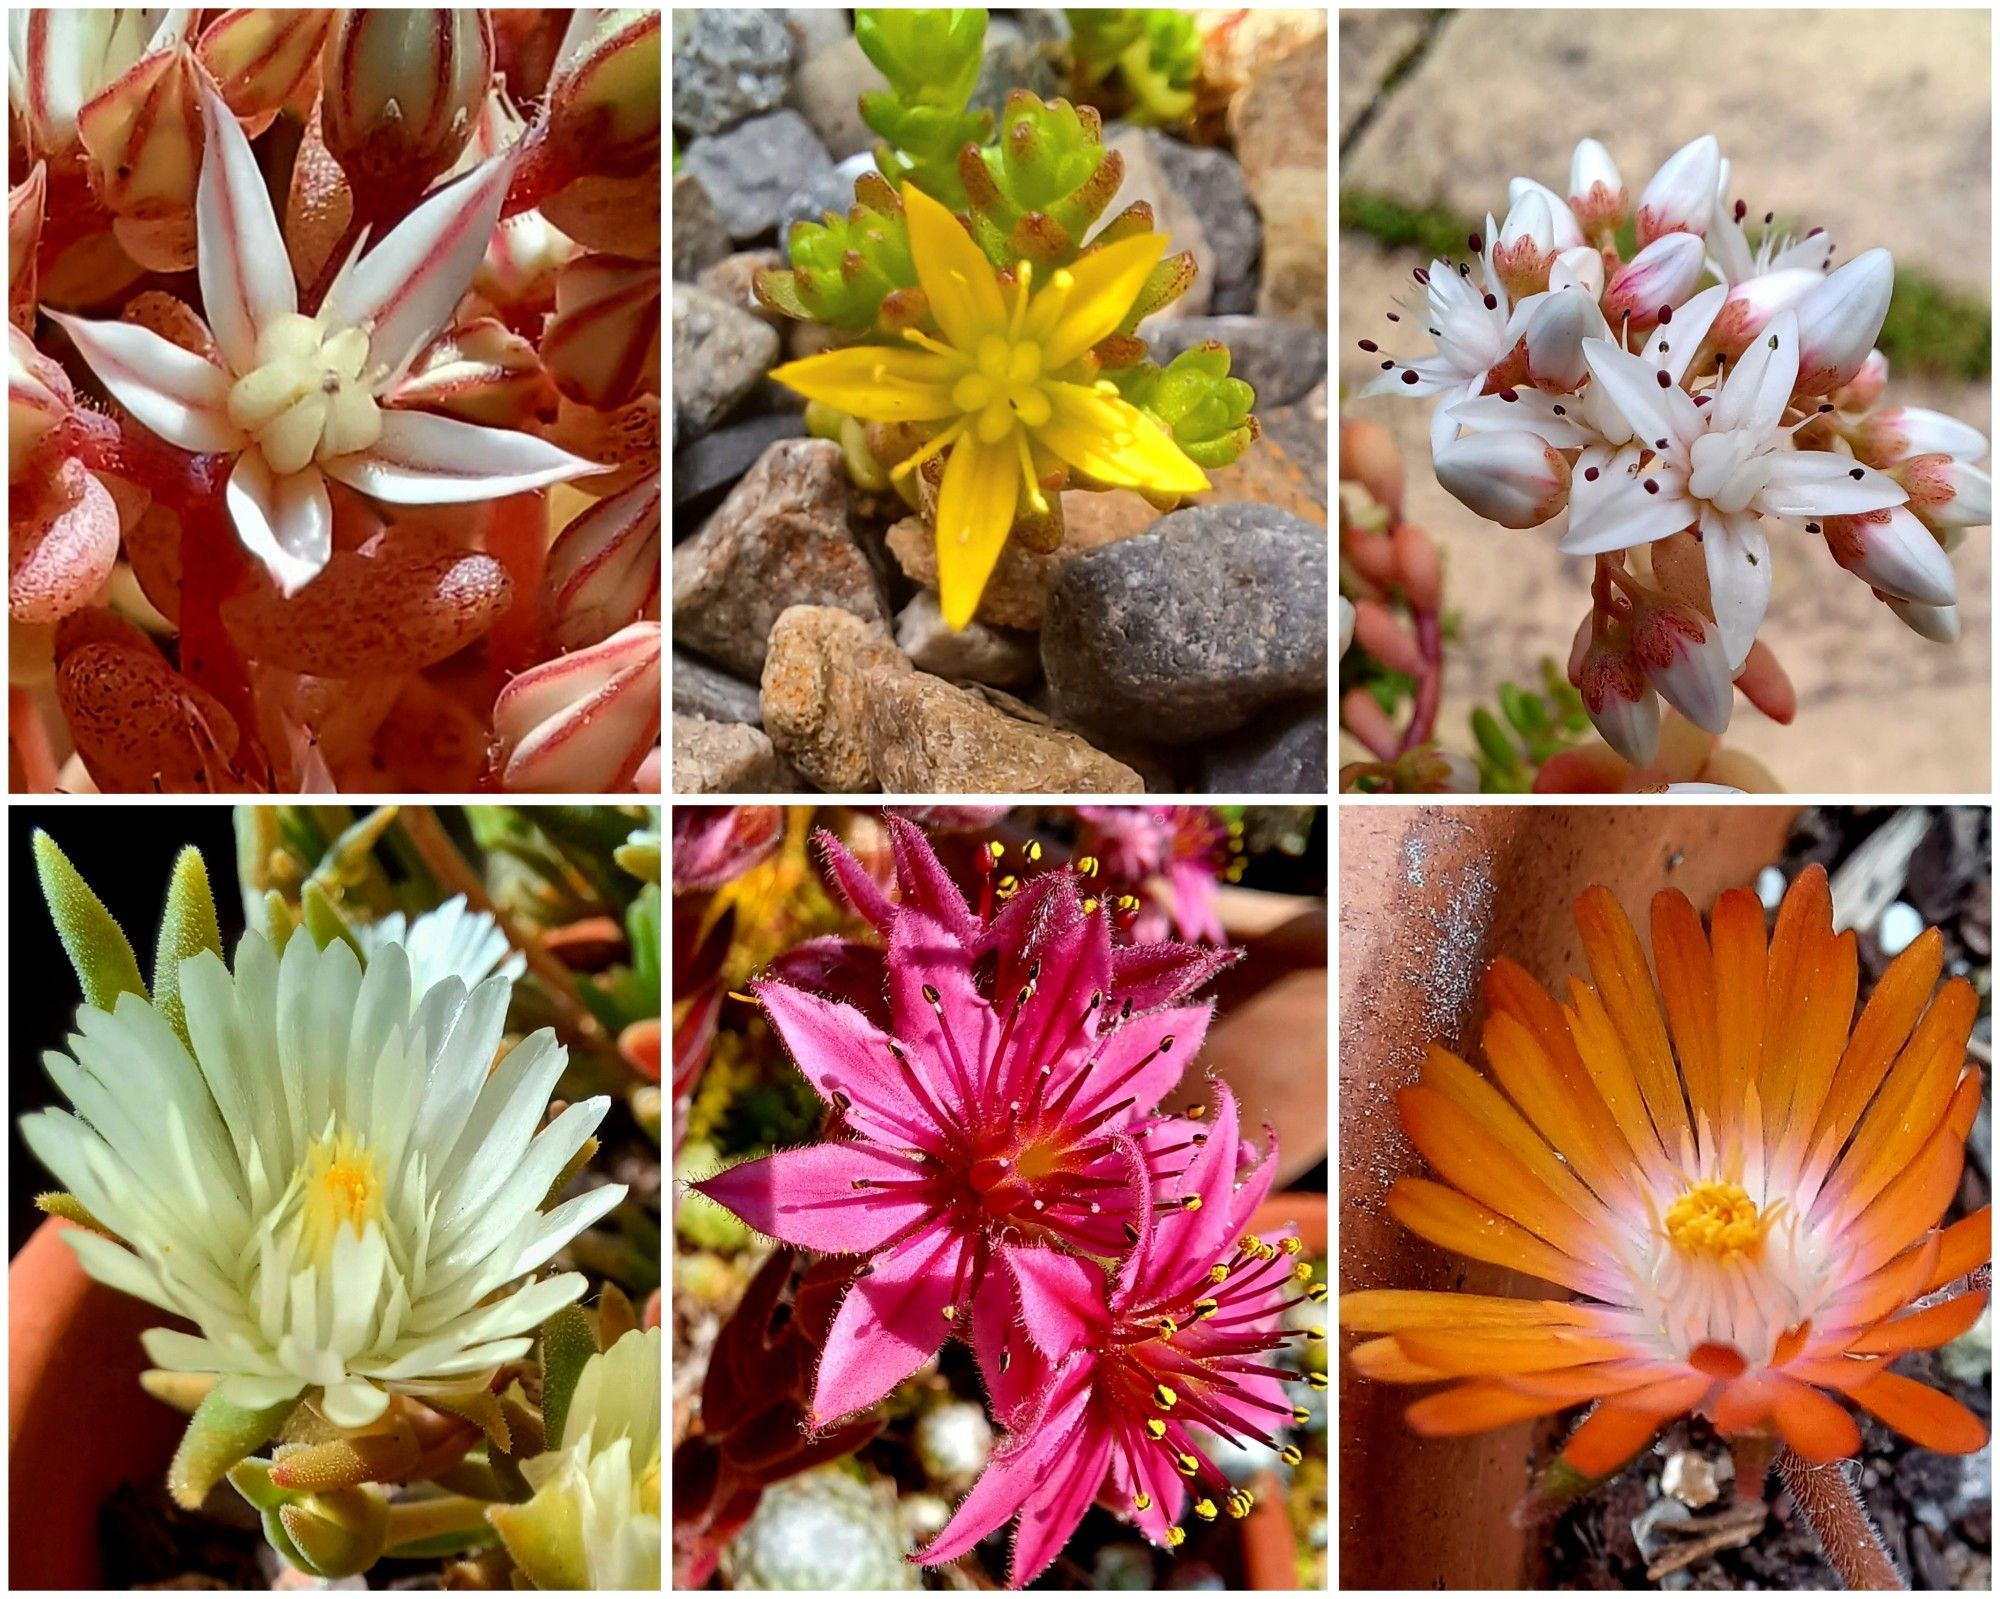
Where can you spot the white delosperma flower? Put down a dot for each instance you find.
(1720, 467)
(336, 1183)
(452, 941)
(297, 399)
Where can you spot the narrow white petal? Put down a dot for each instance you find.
(286, 522)
(1739, 580)
(170, 391)
(1757, 387)
(1820, 483)
(246, 276)
(353, 1403)
(1633, 386)
(437, 460)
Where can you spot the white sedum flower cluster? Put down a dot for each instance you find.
(1670, 425)
(338, 1184)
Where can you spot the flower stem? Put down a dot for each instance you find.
(32, 749)
(1430, 685)
(420, 1520)
(517, 536)
(211, 561)
(1848, 1538)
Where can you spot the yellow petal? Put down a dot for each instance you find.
(957, 278)
(1114, 442)
(975, 509)
(876, 382)
(1103, 286)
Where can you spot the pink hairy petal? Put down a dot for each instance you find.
(924, 883)
(841, 1052)
(246, 276)
(890, 1323)
(1066, 1009)
(170, 392)
(1195, 916)
(422, 459)
(1120, 1074)
(1061, 1298)
(373, 615)
(1019, 1464)
(960, 1030)
(856, 886)
(405, 289)
(1184, 1243)
(63, 546)
(1058, 1505)
(1157, 974)
(844, 969)
(1014, 1370)
(808, 1196)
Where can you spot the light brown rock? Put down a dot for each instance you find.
(977, 651)
(1292, 281)
(726, 758)
(1019, 588)
(1372, 45)
(928, 737)
(827, 86)
(1280, 121)
(818, 675)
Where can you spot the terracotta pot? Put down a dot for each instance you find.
(1269, 1038)
(1270, 1549)
(78, 1423)
(1429, 896)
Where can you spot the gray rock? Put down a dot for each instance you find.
(1300, 431)
(1282, 361)
(720, 353)
(717, 459)
(977, 652)
(700, 239)
(726, 758)
(813, 30)
(1279, 756)
(733, 279)
(928, 737)
(1212, 184)
(831, 190)
(751, 170)
(780, 539)
(1018, 58)
(1189, 629)
(819, 675)
(712, 694)
(728, 64)
(1146, 179)
(827, 90)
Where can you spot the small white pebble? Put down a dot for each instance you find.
(1899, 928)
(1771, 887)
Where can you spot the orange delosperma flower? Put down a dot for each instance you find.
(1740, 1181)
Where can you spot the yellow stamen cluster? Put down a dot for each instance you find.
(341, 1187)
(304, 401)
(1715, 1219)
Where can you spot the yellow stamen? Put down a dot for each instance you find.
(342, 1188)
(1156, 1429)
(1176, 1536)
(1142, 1502)
(1715, 1219)
(1205, 1508)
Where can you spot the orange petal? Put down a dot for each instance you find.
(1489, 1108)
(1492, 1354)
(1564, 1107)
(1804, 923)
(1913, 1202)
(1611, 1074)
(1923, 1415)
(1736, 930)
(1899, 1282)
(1476, 1407)
(1687, 986)
(1619, 1428)
(1965, 1244)
(1744, 1405)
(1403, 1310)
(1817, 1027)
(1723, 1361)
(1625, 984)
(1451, 1221)
(1923, 1329)
(1892, 1010)
(1463, 1152)
(1813, 1424)
(1384, 1360)
(1587, 1382)
(1842, 1373)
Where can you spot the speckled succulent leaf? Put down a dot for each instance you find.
(853, 272)
(1206, 410)
(96, 945)
(567, 1341)
(1036, 191)
(187, 928)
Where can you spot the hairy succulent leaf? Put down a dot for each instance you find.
(188, 927)
(96, 945)
(219, 1437)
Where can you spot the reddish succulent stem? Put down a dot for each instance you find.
(517, 537)
(1430, 684)
(32, 749)
(1847, 1537)
(211, 561)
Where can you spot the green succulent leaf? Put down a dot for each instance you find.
(931, 59)
(219, 1436)
(1156, 55)
(1207, 411)
(1035, 192)
(854, 272)
(568, 1340)
(188, 927)
(97, 946)
(71, 1209)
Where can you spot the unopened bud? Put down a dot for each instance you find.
(1945, 493)
(1886, 437)
(1840, 319)
(1866, 386)
(602, 347)
(1596, 191)
(1620, 699)
(143, 141)
(1893, 553)
(1526, 246)
(1681, 196)
(1515, 479)
(604, 95)
(585, 722)
(482, 373)
(1681, 652)
(1938, 623)
(1664, 273)
(1752, 303)
(403, 87)
(1582, 268)
(259, 55)
(604, 568)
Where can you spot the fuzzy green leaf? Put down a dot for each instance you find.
(188, 927)
(219, 1436)
(71, 1209)
(568, 1340)
(97, 946)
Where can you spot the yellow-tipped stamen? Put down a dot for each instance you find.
(1142, 1502)
(1205, 1508)
(1176, 1536)
(1156, 1429)
(1291, 1454)
(1186, 1465)
(1165, 1397)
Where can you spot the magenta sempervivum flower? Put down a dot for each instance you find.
(1104, 1382)
(1170, 857)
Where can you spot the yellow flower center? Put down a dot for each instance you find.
(343, 1188)
(1003, 385)
(304, 401)
(1715, 1219)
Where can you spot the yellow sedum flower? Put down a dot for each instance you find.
(1010, 379)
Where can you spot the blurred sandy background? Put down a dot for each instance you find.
(1872, 124)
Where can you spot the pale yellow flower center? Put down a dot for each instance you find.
(1715, 1219)
(304, 400)
(1003, 385)
(343, 1188)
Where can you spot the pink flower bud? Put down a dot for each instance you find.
(481, 373)
(1620, 700)
(604, 94)
(1582, 267)
(1681, 652)
(1840, 319)
(1938, 623)
(259, 56)
(1515, 479)
(403, 87)
(1945, 493)
(604, 568)
(1564, 233)
(582, 723)
(1886, 437)
(602, 347)
(1596, 191)
(1665, 273)
(1681, 196)
(67, 55)
(1893, 553)
(1753, 302)
(1525, 245)
(142, 137)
